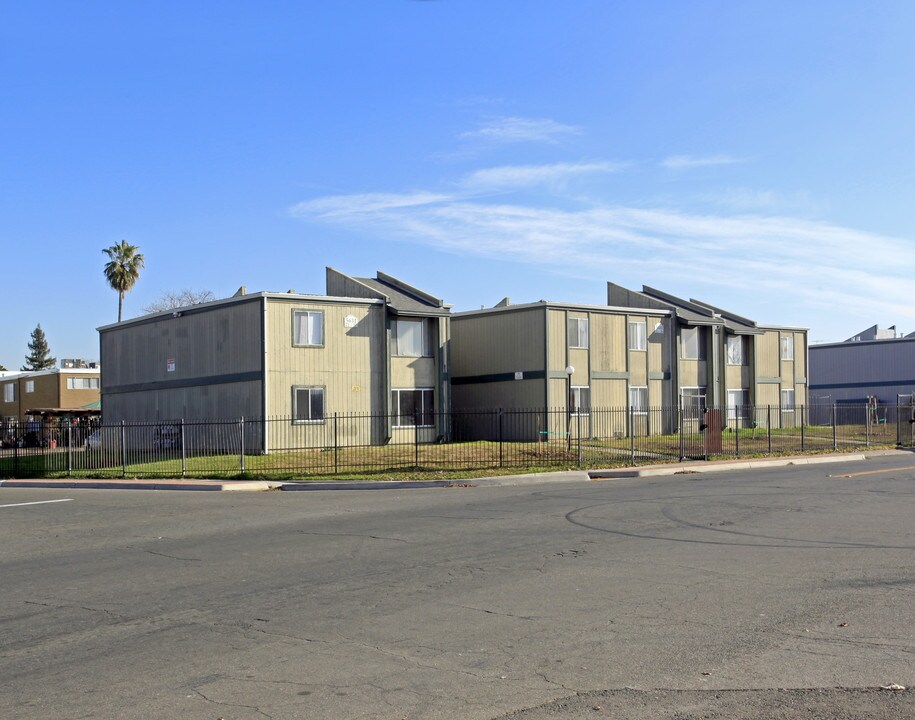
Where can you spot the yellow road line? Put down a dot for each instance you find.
(874, 472)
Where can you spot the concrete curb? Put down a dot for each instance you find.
(381, 485)
(722, 466)
(211, 485)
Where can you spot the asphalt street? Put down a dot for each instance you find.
(683, 596)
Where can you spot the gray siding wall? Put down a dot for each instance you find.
(217, 356)
(487, 351)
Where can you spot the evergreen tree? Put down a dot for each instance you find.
(39, 357)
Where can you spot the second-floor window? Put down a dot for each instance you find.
(638, 335)
(82, 383)
(412, 338)
(578, 332)
(307, 328)
(787, 347)
(30, 386)
(737, 350)
(9, 392)
(692, 343)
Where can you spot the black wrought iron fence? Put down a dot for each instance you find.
(477, 441)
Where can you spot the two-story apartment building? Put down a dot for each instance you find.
(566, 359)
(661, 358)
(728, 361)
(306, 363)
(58, 389)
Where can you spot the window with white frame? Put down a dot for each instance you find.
(413, 338)
(9, 392)
(787, 347)
(307, 328)
(692, 343)
(580, 398)
(638, 335)
(692, 401)
(308, 404)
(82, 383)
(413, 407)
(787, 400)
(30, 386)
(638, 400)
(578, 332)
(738, 404)
(737, 350)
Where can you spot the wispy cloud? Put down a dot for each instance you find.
(521, 129)
(685, 162)
(819, 262)
(508, 176)
(349, 206)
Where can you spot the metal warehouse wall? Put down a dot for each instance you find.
(849, 371)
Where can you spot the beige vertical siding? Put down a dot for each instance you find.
(693, 373)
(638, 359)
(350, 366)
(800, 354)
(609, 393)
(558, 340)
(608, 342)
(767, 354)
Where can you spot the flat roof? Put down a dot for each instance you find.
(248, 297)
(610, 309)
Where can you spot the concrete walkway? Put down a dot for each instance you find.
(491, 481)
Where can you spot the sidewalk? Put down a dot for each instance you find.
(684, 468)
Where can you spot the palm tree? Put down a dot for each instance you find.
(122, 269)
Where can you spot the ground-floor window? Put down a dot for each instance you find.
(738, 404)
(412, 406)
(692, 400)
(580, 400)
(308, 404)
(787, 400)
(638, 400)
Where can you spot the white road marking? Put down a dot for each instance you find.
(38, 502)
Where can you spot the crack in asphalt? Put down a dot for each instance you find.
(228, 704)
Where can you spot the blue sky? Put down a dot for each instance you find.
(758, 155)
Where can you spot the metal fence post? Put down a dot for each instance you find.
(631, 436)
(769, 426)
(579, 439)
(336, 446)
(241, 425)
(803, 422)
(680, 429)
(867, 426)
(501, 449)
(16, 452)
(69, 450)
(835, 437)
(183, 451)
(416, 439)
(737, 431)
(123, 449)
